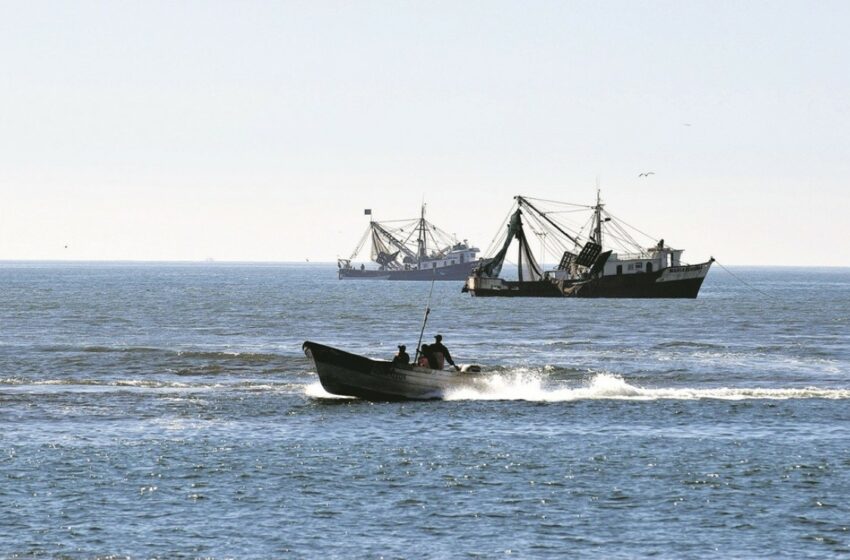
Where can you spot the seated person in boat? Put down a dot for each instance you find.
(441, 353)
(427, 358)
(402, 358)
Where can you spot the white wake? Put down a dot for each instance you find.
(316, 391)
(530, 387)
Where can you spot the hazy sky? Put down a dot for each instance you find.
(260, 130)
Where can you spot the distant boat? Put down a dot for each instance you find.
(411, 250)
(346, 374)
(586, 268)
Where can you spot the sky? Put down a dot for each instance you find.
(259, 131)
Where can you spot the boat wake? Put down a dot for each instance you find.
(316, 391)
(530, 387)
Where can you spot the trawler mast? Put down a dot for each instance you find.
(422, 240)
(597, 213)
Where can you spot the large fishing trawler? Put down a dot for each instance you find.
(585, 269)
(411, 250)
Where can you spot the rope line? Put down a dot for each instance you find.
(736, 277)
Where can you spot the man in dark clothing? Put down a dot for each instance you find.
(401, 358)
(427, 358)
(438, 348)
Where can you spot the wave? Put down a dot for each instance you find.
(153, 384)
(185, 353)
(71, 384)
(687, 344)
(240, 356)
(106, 349)
(602, 386)
(556, 344)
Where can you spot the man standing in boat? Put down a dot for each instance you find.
(442, 353)
(402, 358)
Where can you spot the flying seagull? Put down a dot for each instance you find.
(647, 174)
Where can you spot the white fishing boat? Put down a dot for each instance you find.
(410, 250)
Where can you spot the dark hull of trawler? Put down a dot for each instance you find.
(675, 282)
(351, 375)
(460, 271)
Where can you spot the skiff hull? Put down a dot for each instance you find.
(346, 374)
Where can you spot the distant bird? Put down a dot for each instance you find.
(647, 174)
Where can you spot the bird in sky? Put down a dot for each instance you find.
(647, 174)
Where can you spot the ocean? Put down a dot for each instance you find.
(167, 411)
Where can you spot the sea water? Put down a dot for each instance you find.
(167, 410)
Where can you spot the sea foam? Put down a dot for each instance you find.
(530, 387)
(316, 391)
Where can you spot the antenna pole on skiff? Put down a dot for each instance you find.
(425, 319)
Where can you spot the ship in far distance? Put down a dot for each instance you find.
(626, 269)
(413, 249)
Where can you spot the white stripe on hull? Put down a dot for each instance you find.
(675, 273)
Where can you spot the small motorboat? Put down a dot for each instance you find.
(351, 375)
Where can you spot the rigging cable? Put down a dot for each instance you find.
(360, 243)
(765, 294)
(498, 241)
(557, 202)
(625, 223)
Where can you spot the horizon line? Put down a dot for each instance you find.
(272, 262)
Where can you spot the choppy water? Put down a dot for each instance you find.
(167, 411)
